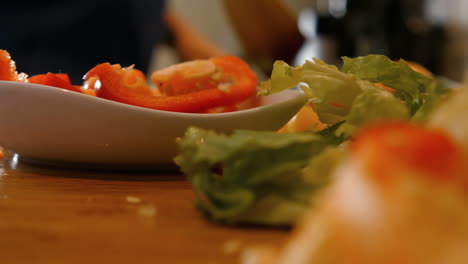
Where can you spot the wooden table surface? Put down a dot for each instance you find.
(50, 215)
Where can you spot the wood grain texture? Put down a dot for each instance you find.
(71, 216)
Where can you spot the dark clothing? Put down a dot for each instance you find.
(73, 36)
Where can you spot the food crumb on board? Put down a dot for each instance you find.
(231, 246)
(133, 199)
(258, 254)
(147, 210)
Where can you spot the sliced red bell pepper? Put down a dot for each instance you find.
(232, 82)
(41, 78)
(59, 80)
(134, 80)
(186, 77)
(7, 67)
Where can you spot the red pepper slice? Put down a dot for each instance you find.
(130, 79)
(232, 82)
(59, 80)
(7, 67)
(41, 78)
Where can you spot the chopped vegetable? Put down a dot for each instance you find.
(362, 84)
(252, 177)
(8, 68)
(186, 77)
(270, 178)
(399, 197)
(105, 78)
(59, 80)
(220, 84)
(409, 85)
(384, 106)
(232, 82)
(305, 119)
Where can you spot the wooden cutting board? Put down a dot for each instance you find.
(50, 215)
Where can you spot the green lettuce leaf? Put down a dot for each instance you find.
(250, 176)
(347, 96)
(350, 94)
(270, 178)
(373, 106)
(435, 96)
(331, 91)
(410, 85)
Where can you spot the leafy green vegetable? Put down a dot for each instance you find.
(436, 94)
(350, 94)
(270, 178)
(410, 85)
(250, 176)
(332, 91)
(339, 96)
(373, 106)
(330, 135)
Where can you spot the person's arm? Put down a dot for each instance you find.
(188, 41)
(267, 29)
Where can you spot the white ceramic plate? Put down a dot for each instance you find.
(54, 126)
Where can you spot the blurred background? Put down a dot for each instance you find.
(433, 33)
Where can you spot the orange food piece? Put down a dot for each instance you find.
(385, 87)
(135, 81)
(88, 91)
(89, 86)
(305, 119)
(59, 80)
(41, 78)
(419, 68)
(236, 82)
(395, 149)
(185, 77)
(7, 67)
(416, 67)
